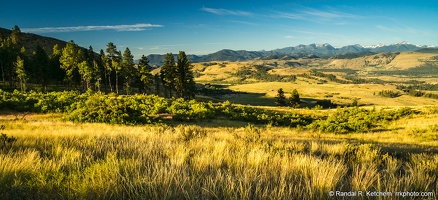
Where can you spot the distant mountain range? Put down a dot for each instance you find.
(311, 50)
(30, 41)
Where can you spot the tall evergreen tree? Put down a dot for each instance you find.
(144, 74)
(21, 73)
(280, 99)
(116, 62)
(184, 81)
(97, 68)
(168, 73)
(16, 35)
(87, 72)
(92, 71)
(70, 58)
(294, 99)
(111, 64)
(104, 69)
(128, 69)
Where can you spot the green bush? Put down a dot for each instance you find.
(191, 110)
(357, 120)
(389, 93)
(54, 101)
(345, 120)
(108, 109)
(37, 101)
(262, 116)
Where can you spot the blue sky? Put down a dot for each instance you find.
(205, 26)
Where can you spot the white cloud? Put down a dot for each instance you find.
(289, 37)
(219, 11)
(133, 27)
(319, 16)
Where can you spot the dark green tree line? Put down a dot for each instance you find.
(82, 69)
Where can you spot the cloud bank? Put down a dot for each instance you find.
(133, 27)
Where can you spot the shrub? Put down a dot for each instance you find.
(252, 134)
(108, 109)
(189, 132)
(357, 120)
(191, 110)
(389, 93)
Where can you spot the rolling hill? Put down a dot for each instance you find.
(30, 41)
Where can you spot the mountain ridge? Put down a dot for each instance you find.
(311, 50)
(325, 50)
(30, 41)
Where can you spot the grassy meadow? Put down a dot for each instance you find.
(54, 159)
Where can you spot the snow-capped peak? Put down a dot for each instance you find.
(375, 46)
(403, 42)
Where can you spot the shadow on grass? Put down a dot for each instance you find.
(260, 99)
(253, 99)
(399, 150)
(210, 123)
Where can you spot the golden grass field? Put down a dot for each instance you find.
(339, 93)
(53, 159)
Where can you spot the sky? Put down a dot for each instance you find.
(206, 26)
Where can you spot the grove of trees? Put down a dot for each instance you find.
(294, 99)
(77, 68)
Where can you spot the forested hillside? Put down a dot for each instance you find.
(67, 66)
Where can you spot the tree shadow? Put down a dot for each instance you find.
(246, 98)
(399, 150)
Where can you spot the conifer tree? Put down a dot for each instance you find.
(144, 74)
(21, 73)
(184, 83)
(116, 62)
(86, 72)
(128, 69)
(93, 62)
(294, 99)
(355, 103)
(70, 58)
(168, 73)
(113, 64)
(103, 62)
(16, 35)
(280, 99)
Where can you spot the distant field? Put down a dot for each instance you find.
(401, 68)
(340, 93)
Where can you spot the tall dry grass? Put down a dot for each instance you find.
(61, 160)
